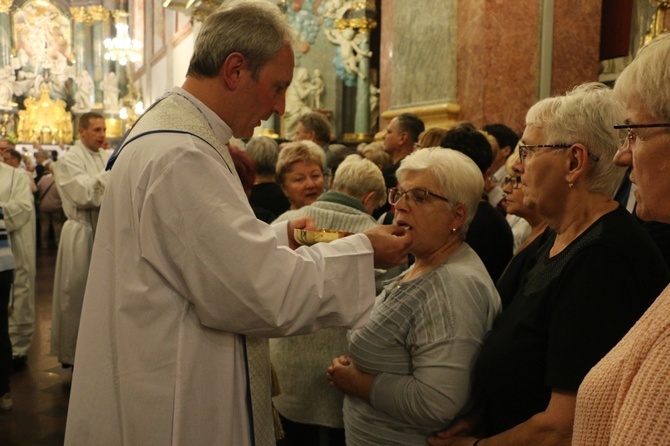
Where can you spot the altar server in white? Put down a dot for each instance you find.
(185, 283)
(17, 201)
(81, 178)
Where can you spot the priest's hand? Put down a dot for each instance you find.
(299, 223)
(390, 243)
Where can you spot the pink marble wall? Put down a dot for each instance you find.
(576, 44)
(497, 60)
(498, 55)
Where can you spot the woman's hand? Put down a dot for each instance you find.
(345, 377)
(451, 441)
(458, 433)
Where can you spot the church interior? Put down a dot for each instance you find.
(358, 62)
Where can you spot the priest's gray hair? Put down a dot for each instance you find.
(459, 179)
(647, 78)
(257, 29)
(357, 176)
(587, 115)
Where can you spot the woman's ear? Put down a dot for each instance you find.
(368, 201)
(578, 157)
(459, 212)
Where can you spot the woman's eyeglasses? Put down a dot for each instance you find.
(628, 135)
(418, 196)
(527, 151)
(514, 181)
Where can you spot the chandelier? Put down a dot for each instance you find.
(122, 48)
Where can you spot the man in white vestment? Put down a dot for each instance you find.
(18, 204)
(80, 178)
(185, 284)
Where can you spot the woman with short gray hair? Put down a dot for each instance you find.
(623, 401)
(592, 279)
(409, 370)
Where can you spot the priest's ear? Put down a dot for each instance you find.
(232, 69)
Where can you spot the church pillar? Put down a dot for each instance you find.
(5, 37)
(362, 126)
(362, 18)
(484, 61)
(79, 17)
(418, 60)
(100, 16)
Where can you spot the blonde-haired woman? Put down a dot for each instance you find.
(306, 405)
(300, 168)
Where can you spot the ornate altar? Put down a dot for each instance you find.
(53, 65)
(44, 121)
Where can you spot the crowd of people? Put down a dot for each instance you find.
(489, 288)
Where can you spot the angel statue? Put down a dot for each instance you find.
(82, 98)
(317, 89)
(350, 52)
(110, 92)
(8, 88)
(297, 98)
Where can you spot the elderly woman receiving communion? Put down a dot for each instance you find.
(409, 369)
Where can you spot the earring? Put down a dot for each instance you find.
(453, 230)
(571, 184)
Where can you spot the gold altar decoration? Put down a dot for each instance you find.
(99, 13)
(359, 17)
(5, 6)
(44, 121)
(658, 22)
(444, 115)
(79, 14)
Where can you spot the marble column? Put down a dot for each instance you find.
(5, 37)
(100, 16)
(419, 60)
(483, 57)
(361, 19)
(362, 126)
(79, 17)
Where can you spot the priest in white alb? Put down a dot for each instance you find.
(185, 283)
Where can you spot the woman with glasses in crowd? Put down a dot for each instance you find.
(409, 369)
(591, 281)
(537, 235)
(623, 401)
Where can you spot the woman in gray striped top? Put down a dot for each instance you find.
(409, 370)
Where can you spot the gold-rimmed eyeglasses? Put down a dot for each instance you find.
(628, 135)
(418, 196)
